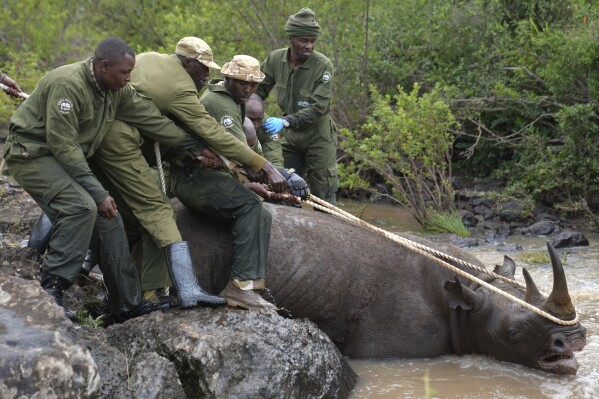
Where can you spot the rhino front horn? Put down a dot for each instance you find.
(558, 303)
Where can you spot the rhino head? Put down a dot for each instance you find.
(484, 322)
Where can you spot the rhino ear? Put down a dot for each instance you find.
(460, 295)
(508, 269)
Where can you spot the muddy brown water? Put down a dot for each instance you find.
(475, 376)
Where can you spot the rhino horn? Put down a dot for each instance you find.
(558, 303)
(533, 295)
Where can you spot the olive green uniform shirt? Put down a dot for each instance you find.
(304, 96)
(67, 116)
(218, 102)
(271, 149)
(162, 78)
(221, 106)
(303, 93)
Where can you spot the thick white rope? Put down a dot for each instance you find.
(20, 94)
(159, 163)
(411, 243)
(426, 252)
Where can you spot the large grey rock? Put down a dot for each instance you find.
(41, 354)
(542, 228)
(155, 377)
(190, 353)
(468, 218)
(238, 354)
(510, 211)
(570, 239)
(484, 211)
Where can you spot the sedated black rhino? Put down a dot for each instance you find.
(377, 299)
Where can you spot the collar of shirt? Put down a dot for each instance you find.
(306, 64)
(91, 71)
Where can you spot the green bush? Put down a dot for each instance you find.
(563, 169)
(407, 144)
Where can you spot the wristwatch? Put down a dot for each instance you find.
(285, 122)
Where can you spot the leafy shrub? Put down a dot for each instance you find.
(406, 141)
(563, 169)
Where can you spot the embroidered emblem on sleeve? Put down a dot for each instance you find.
(65, 105)
(303, 104)
(226, 121)
(326, 76)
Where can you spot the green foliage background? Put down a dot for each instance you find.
(519, 76)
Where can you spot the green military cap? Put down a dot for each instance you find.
(303, 23)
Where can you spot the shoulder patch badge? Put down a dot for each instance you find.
(226, 121)
(65, 105)
(326, 76)
(303, 103)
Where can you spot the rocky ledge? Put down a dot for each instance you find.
(492, 217)
(191, 353)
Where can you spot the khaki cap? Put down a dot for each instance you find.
(197, 49)
(243, 67)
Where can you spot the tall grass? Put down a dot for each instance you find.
(446, 222)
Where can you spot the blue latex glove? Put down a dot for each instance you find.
(273, 125)
(298, 186)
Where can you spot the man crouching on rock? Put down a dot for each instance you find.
(51, 135)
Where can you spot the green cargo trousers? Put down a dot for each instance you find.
(147, 211)
(315, 159)
(219, 195)
(122, 164)
(154, 272)
(73, 213)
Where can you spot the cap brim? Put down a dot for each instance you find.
(211, 64)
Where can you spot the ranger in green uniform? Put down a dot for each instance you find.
(302, 79)
(226, 101)
(271, 149)
(199, 187)
(147, 211)
(52, 134)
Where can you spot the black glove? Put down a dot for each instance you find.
(297, 185)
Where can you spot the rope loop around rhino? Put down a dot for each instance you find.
(438, 257)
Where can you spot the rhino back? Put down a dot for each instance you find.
(373, 297)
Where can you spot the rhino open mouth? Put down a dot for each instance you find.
(558, 363)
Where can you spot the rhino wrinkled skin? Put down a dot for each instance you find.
(376, 299)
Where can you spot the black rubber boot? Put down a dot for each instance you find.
(143, 308)
(54, 286)
(183, 274)
(40, 234)
(161, 296)
(122, 284)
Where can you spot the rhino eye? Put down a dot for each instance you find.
(514, 336)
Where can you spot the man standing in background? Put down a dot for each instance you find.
(304, 80)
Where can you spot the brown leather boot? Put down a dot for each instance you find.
(247, 299)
